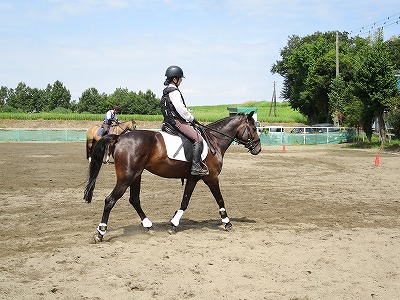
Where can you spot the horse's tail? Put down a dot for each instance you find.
(95, 164)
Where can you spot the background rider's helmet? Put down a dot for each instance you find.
(116, 108)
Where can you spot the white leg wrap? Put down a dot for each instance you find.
(102, 228)
(226, 219)
(178, 215)
(147, 223)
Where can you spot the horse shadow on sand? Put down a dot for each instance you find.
(186, 225)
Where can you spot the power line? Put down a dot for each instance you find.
(387, 22)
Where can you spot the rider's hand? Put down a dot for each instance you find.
(194, 122)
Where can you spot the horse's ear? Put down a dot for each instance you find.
(250, 115)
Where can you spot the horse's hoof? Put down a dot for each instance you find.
(98, 238)
(173, 229)
(150, 230)
(228, 226)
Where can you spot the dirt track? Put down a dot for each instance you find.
(316, 222)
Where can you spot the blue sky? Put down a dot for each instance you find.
(226, 48)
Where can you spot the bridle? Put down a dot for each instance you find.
(249, 144)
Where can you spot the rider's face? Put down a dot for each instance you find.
(177, 81)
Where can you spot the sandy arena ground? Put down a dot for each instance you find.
(315, 222)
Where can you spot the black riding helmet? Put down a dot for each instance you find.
(171, 72)
(117, 108)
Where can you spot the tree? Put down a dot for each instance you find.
(135, 103)
(21, 98)
(338, 95)
(3, 96)
(393, 48)
(308, 66)
(121, 97)
(93, 102)
(374, 82)
(54, 96)
(393, 114)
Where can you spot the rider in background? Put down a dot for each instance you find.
(178, 116)
(109, 118)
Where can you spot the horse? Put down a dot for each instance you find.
(92, 135)
(138, 150)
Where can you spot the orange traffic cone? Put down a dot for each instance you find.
(377, 160)
(284, 148)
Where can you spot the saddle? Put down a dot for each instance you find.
(101, 129)
(179, 147)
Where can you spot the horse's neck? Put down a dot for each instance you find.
(119, 128)
(227, 128)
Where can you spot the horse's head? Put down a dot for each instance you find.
(248, 136)
(131, 125)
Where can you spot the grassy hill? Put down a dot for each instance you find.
(285, 114)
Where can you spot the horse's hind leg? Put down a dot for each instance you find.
(88, 149)
(134, 199)
(216, 191)
(110, 201)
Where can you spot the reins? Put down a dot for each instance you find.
(123, 130)
(250, 144)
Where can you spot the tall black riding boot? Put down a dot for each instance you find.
(197, 169)
(105, 129)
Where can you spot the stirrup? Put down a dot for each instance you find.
(197, 170)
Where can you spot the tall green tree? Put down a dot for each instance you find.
(308, 66)
(92, 101)
(56, 95)
(374, 82)
(3, 95)
(393, 48)
(135, 103)
(21, 98)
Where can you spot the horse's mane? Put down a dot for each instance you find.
(222, 122)
(209, 131)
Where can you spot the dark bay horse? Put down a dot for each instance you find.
(92, 136)
(145, 149)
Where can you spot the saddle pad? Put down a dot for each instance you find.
(174, 142)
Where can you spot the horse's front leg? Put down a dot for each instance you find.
(213, 185)
(134, 199)
(189, 187)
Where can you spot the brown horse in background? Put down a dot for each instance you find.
(92, 136)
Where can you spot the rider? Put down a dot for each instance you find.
(177, 115)
(110, 117)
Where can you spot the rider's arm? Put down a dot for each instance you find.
(177, 101)
(109, 115)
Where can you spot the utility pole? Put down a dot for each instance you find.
(337, 54)
(273, 102)
(335, 116)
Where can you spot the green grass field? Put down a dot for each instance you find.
(285, 114)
